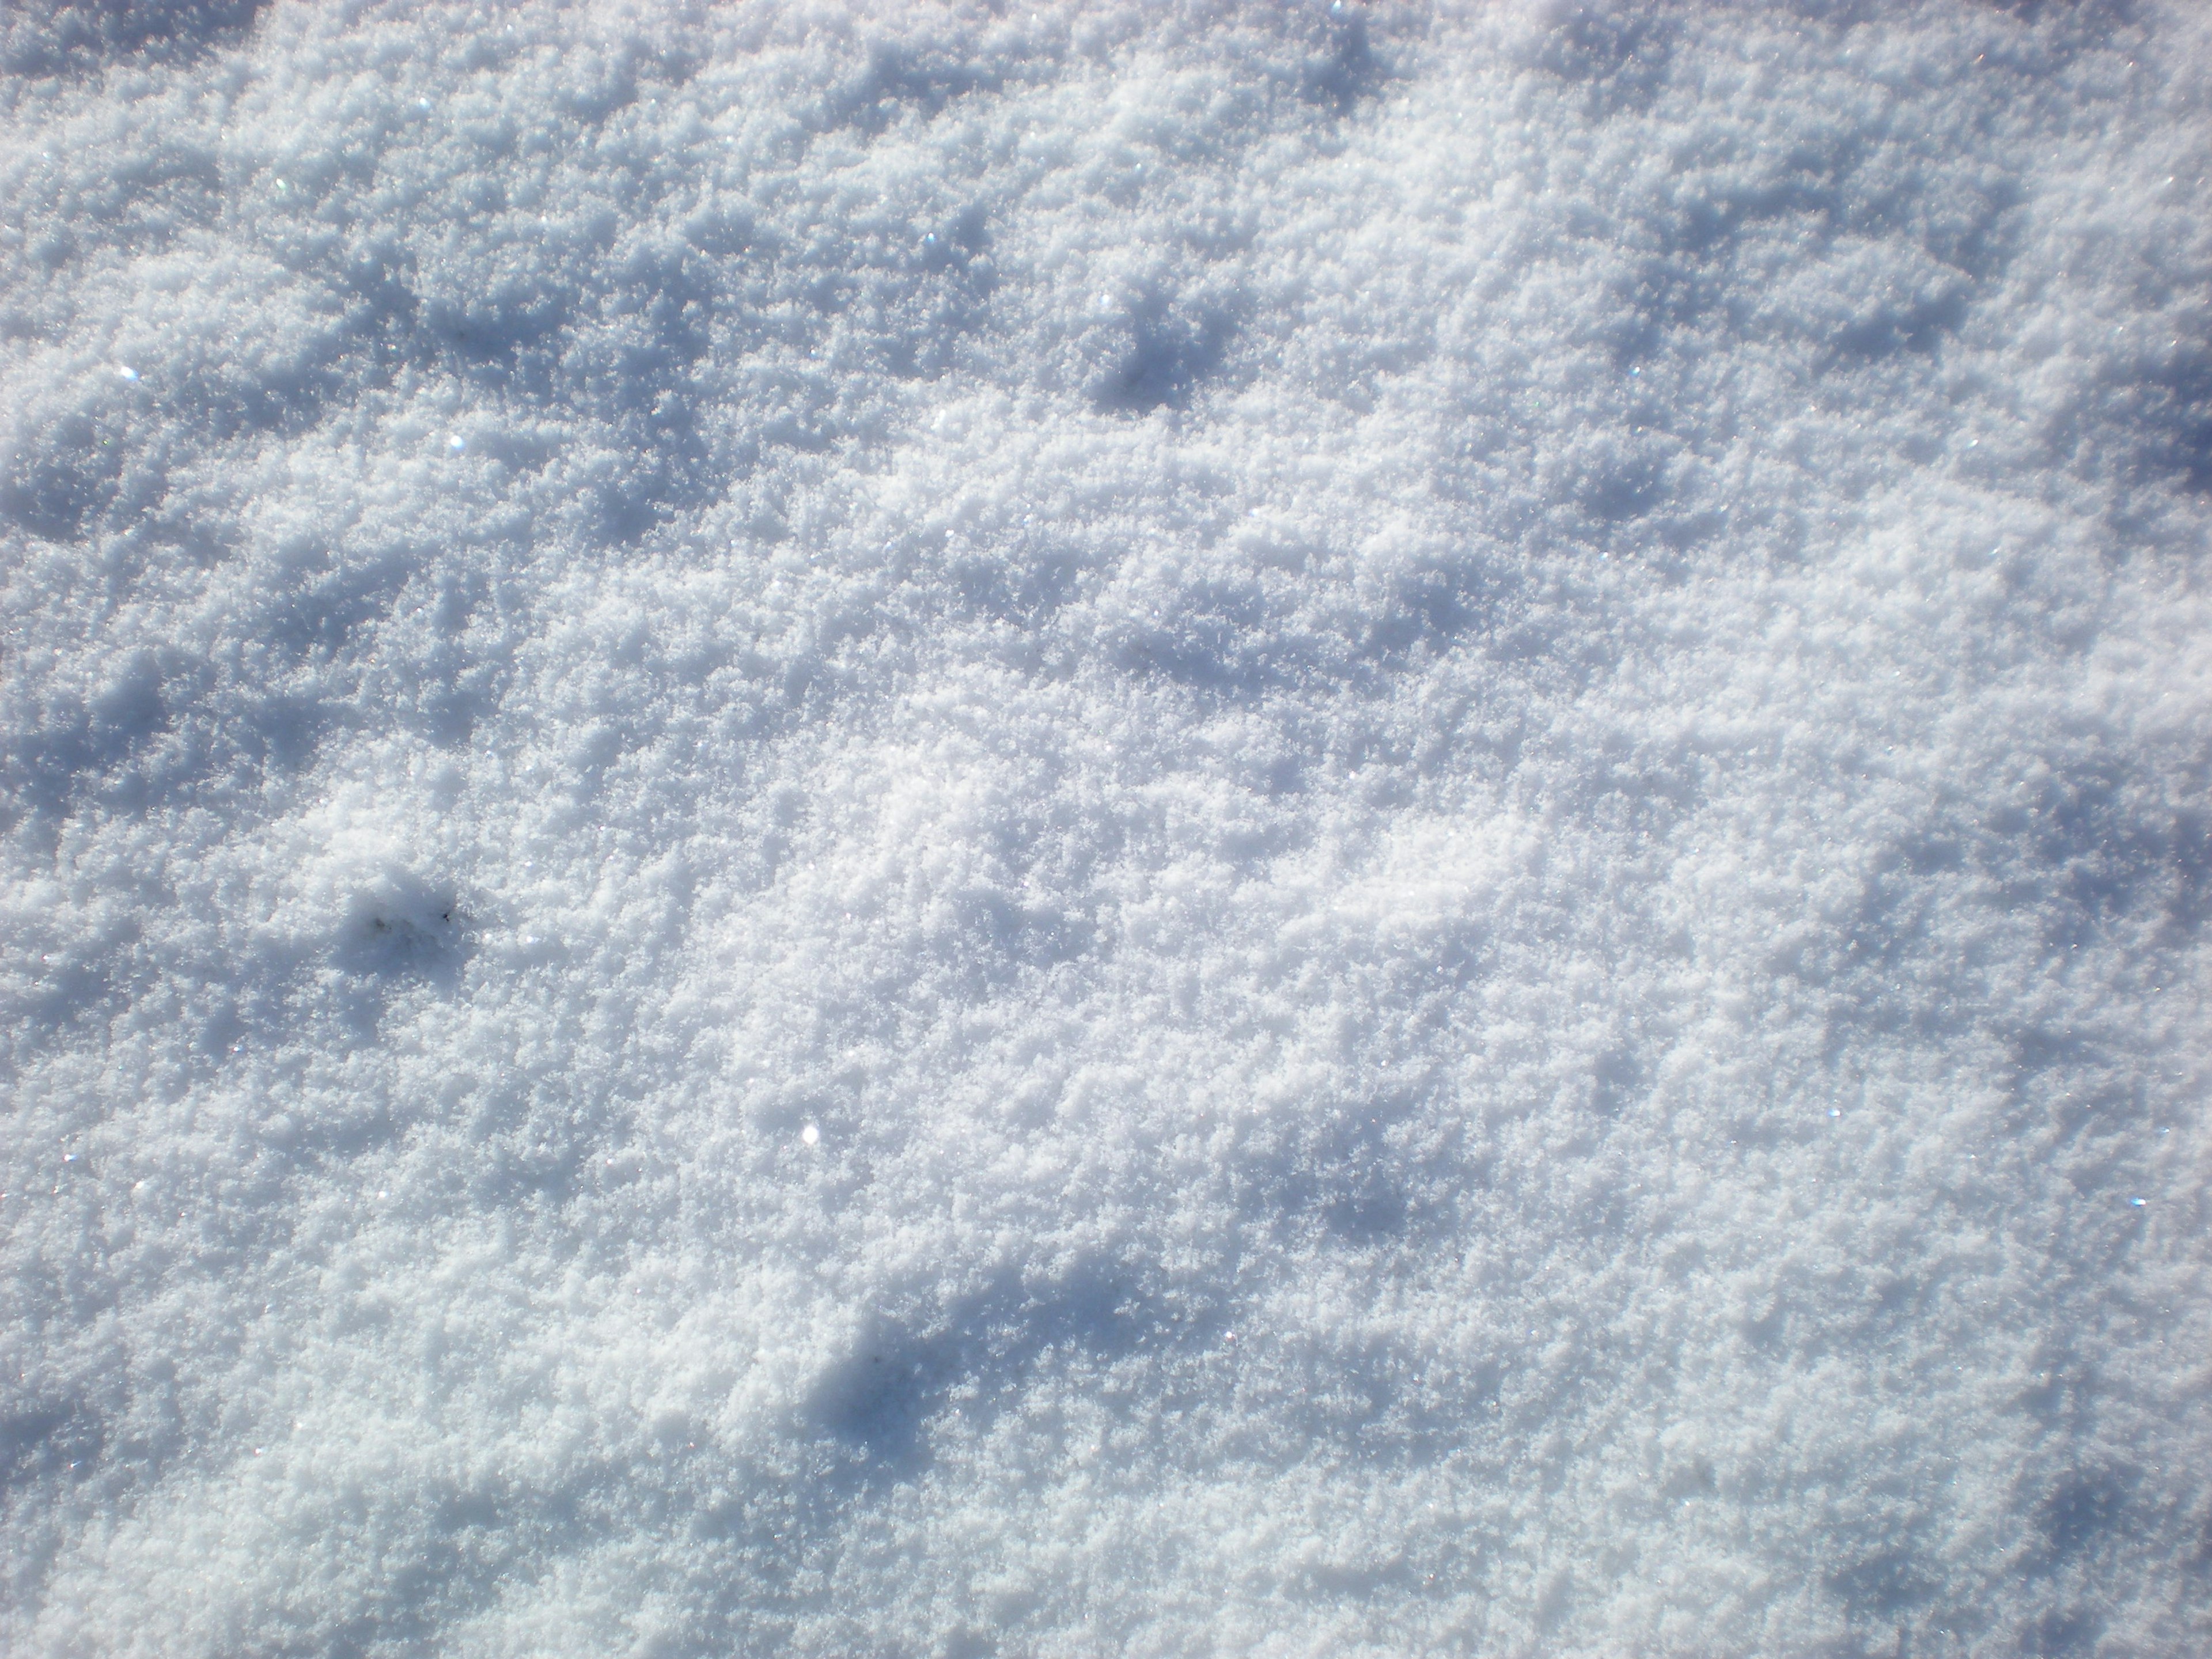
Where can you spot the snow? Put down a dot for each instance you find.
(1127, 828)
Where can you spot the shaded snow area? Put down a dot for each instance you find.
(1168, 829)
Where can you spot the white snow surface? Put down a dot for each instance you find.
(1149, 829)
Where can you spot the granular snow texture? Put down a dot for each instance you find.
(1150, 830)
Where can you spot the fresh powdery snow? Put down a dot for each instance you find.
(1160, 829)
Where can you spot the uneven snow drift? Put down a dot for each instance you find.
(1161, 830)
